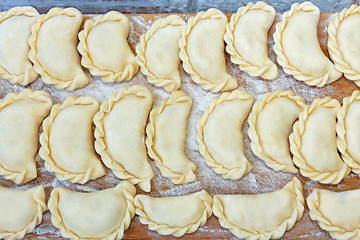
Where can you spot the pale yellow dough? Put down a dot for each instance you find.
(174, 215)
(166, 137)
(202, 51)
(297, 46)
(246, 39)
(270, 124)
(103, 215)
(20, 117)
(343, 42)
(158, 53)
(261, 216)
(53, 50)
(104, 47)
(219, 134)
(120, 134)
(15, 29)
(313, 143)
(67, 144)
(338, 213)
(21, 211)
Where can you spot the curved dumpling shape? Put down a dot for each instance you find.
(104, 214)
(67, 141)
(125, 114)
(174, 215)
(21, 211)
(15, 30)
(270, 124)
(202, 51)
(337, 212)
(297, 46)
(166, 137)
(104, 47)
(219, 134)
(246, 39)
(250, 217)
(20, 117)
(348, 129)
(313, 143)
(53, 50)
(343, 42)
(158, 53)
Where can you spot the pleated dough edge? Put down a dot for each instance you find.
(129, 192)
(253, 132)
(168, 84)
(251, 69)
(177, 178)
(228, 84)
(295, 140)
(100, 144)
(226, 173)
(164, 229)
(106, 75)
(23, 79)
(45, 153)
(276, 233)
(333, 46)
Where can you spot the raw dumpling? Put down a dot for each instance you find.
(15, 29)
(219, 134)
(20, 117)
(246, 39)
(297, 46)
(104, 47)
(166, 136)
(104, 214)
(174, 215)
(313, 143)
(348, 131)
(67, 144)
(270, 124)
(53, 51)
(120, 130)
(202, 51)
(158, 53)
(343, 42)
(21, 211)
(337, 212)
(261, 216)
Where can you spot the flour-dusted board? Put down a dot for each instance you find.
(261, 179)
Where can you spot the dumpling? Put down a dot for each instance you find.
(67, 144)
(21, 211)
(158, 53)
(166, 136)
(53, 50)
(174, 215)
(15, 29)
(337, 212)
(202, 51)
(20, 117)
(104, 214)
(246, 39)
(313, 143)
(348, 131)
(120, 134)
(261, 216)
(270, 124)
(219, 134)
(343, 42)
(297, 46)
(104, 47)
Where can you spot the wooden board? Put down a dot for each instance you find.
(261, 179)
